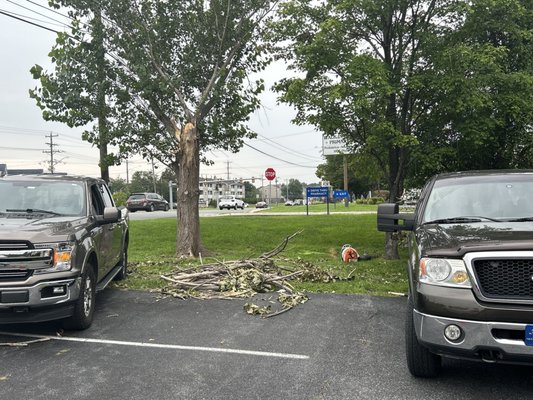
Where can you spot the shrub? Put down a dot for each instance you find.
(120, 198)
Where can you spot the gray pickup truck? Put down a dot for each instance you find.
(470, 269)
(61, 240)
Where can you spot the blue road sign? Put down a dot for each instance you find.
(318, 191)
(338, 194)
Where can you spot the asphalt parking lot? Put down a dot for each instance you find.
(144, 347)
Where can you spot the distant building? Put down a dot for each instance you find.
(271, 194)
(212, 188)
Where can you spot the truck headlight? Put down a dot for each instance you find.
(444, 272)
(62, 258)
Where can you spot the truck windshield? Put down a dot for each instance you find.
(46, 198)
(494, 197)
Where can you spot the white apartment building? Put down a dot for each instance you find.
(212, 188)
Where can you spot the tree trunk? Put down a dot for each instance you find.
(188, 236)
(396, 174)
(101, 95)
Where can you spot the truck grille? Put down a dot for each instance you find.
(18, 260)
(505, 278)
(18, 245)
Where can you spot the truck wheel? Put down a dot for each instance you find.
(421, 362)
(152, 208)
(124, 261)
(84, 306)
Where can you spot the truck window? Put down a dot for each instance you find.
(498, 197)
(108, 200)
(97, 200)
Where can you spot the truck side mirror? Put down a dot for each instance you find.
(389, 218)
(111, 214)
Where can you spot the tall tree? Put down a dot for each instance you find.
(187, 85)
(142, 181)
(79, 90)
(357, 63)
(482, 80)
(185, 82)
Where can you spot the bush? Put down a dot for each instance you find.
(120, 198)
(213, 203)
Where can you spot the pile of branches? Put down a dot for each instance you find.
(243, 279)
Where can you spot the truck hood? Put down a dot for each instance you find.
(41, 230)
(453, 240)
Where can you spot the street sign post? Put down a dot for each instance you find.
(270, 174)
(340, 194)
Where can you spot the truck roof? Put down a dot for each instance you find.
(493, 172)
(49, 177)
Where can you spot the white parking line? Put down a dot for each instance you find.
(161, 346)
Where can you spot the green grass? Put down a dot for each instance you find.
(152, 249)
(321, 208)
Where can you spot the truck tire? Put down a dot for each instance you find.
(124, 261)
(82, 317)
(151, 208)
(421, 362)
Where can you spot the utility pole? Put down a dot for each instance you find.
(52, 151)
(153, 174)
(345, 173)
(127, 173)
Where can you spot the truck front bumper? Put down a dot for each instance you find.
(482, 341)
(43, 301)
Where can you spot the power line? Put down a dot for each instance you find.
(50, 9)
(33, 19)
(277, 158)
(29, 22)
(288, 150)
(18, 148)
(36, 12)
(293, 134)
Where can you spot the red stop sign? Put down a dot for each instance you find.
(270, 174)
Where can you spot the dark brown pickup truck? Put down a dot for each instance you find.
(470, 269)
(61, 240)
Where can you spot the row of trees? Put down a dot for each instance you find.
(415, 87)
(146, 181)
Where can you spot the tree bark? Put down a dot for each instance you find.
(101, 95)
(188, 173)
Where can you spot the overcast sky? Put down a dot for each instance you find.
(23, 131)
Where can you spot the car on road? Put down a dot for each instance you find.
(289, 203)
(147, 202)
(261, 204)
(470, 269)
(230, 202)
